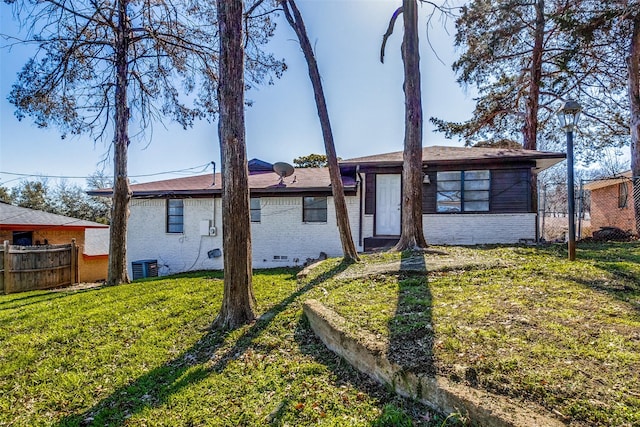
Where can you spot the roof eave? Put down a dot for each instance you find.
(18, 227)
(549, 161)
(542, 162)
(217, 192)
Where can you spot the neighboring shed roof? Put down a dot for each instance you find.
(302, 180)
(605, 182)
(16, 217)
(439, 155)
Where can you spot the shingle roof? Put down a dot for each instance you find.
(605, 182)
(317, 179)
(17, 216)
(302, 180)
(434, 155)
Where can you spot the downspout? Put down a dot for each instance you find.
(536, 207)
(215, 229)
(359, 182)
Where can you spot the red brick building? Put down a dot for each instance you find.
(612, 202)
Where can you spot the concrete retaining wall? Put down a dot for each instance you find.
(364, 352)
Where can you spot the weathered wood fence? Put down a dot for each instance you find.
(28, 268)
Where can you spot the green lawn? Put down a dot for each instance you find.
(143, 354)
(521, 322)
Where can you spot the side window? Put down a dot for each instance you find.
(255, 209)
(175, 216)
(449, 192)
(476, 191)
(623, 194)
(463, 191)
(314, 209)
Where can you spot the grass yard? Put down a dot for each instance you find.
(144, 355)
(521, 322)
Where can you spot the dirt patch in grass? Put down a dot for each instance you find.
(78, 287)
(417, 262)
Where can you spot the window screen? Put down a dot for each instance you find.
(463, 191)
(314, 209)
(175, 216)
(255, 209)
(623, 194)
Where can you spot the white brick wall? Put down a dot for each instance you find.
(148, 239)
(471, 229)
(282, 239)
(281, 232)
(279, 239)
(475, 229)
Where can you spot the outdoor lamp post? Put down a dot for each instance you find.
(568, 115)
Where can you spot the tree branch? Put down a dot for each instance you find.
(386, 36)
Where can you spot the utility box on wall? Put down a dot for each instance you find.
(207, 229)
(205, 226)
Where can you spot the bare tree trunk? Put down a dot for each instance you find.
(342, 216)
(117, 272)
(530, 130)
(412, 234)
(238, 299)
(633, 65)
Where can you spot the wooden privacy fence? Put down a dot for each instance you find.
(28, 268)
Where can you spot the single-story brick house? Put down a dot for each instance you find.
(28, 227)
(471, 196)
(612, 202)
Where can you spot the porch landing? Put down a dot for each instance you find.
(379, 244)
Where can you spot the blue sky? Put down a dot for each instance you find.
(364, 97)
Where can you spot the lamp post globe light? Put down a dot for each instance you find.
(568, 116)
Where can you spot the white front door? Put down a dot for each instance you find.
(388, 199)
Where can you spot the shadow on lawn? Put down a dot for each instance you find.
(411, 346)
(411, 330)
(621, 260)
(24, 301)
(154, 388)
(396, 411)
(45, 295)
(626, 287)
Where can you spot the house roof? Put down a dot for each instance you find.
(605, 182)
(439, 155)
(310, 180)
(260, 182)
(16, 217)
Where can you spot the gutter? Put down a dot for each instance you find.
(361, 207)
(272, 191)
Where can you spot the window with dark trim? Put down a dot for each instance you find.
(463, 191)
(175, 216)
(623, 194)
(314, 209)
(255, 209)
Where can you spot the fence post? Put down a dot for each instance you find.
(7, 268)
(74, 262)
(580, 207)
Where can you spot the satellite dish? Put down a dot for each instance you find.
(283, 170)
